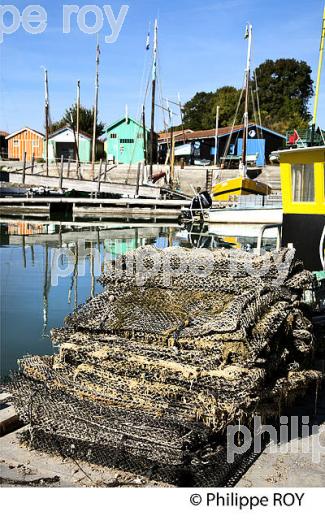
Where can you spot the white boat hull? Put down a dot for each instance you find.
(246, 216)
(244, 230)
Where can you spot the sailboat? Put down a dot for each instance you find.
(245, 183)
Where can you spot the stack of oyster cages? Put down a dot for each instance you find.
(148, 375)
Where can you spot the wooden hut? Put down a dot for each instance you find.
(3, 145)
(63, 143)
(125, 141)
(25, 140)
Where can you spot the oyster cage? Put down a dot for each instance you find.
(149, 376)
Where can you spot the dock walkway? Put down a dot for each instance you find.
(81, 207)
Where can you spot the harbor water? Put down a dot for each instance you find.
(33, 301)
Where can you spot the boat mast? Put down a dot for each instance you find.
(153, 101)
(93, 156)
(319, 74)
(46, 80)
(249, 31)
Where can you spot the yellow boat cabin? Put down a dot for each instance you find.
(303, 198)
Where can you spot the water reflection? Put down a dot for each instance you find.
(31, 305)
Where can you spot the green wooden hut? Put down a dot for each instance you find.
(125, 141)
(62, 142)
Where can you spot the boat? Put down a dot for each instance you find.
(245, 183)
(302, 181)
(303, 189)
(246, 215)
(239, 186)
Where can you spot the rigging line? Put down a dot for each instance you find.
(256, 125)
(233, 126)
(160, 86)
(143, 79)
(145, 74)
(258, 101)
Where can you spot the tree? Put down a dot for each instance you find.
(227, 99)
(200, 111)
(285, 90)
(197, 113)
(86, 121)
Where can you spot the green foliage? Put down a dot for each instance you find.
(285, 90)
(200, 111)
(86, 119)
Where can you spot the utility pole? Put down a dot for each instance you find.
(217, 136)
(46, 81)
(93, 156)
(153, 104)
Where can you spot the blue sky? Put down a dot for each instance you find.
(201, 48)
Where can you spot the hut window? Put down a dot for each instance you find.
(113, 136)
(303, 183)
(34, 144)
(16, 143)
(127, 141)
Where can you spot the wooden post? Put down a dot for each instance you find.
(144, 134)
(68, 171)
(105, 172)
(24, 168)
(78, 114)
(216, 137)
(33, 164)
(24, 251)
(61, 172)
(46, 122)
(76, 144)
(172, 163)
(93, 155)
(138, 180)
(99, 176)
